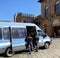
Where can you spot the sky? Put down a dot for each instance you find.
(9, 7)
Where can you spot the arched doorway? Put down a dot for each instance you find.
(56, 28)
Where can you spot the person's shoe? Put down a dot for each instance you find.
(31, 49)
(36, 50)
(29, 52)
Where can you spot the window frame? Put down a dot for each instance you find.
(4, 35)
(57, 7)
(18, 33)
(41, 34)
(46, 11)
(1, 34)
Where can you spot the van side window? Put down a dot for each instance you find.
(18, 32)
(40, 33)
(0, 33)
(22, 32)
(6, 33)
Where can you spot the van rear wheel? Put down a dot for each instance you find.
(9, 53)
(46, 45)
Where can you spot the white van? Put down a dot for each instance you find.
(13, 35)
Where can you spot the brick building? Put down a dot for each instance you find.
(37, 20)
(50, 15)
(21, 17)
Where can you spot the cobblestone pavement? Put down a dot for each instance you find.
(52, 52)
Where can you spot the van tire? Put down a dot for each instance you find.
(8, 52)
(46, 46)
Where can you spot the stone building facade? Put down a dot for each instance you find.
(37, 20)
(21, 17)
(50, 17)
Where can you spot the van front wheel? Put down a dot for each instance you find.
(46, 45)
(9, 53)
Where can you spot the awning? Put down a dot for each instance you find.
(56, 22)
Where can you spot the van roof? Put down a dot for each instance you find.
(4, 24)
(16, 24)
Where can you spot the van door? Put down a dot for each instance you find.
(40, 34)
(6, 36)
(18, 38)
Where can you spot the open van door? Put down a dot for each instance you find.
(17, 39)
(9, 50)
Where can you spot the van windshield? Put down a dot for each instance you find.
(40, 32)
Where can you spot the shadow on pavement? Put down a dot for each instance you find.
(20, 52)
(2, 55)
(41, 48)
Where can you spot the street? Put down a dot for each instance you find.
(52, 52)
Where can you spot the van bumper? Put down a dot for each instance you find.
(2, 50)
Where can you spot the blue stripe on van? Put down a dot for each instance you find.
(14, 45)
(15, 42)
(3, 46)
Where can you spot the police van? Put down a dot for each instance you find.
(13, 35)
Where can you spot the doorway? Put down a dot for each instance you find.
(31, 29)
(56, 31)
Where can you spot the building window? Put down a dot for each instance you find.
(46, 11)
(57, 7)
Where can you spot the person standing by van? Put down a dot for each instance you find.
(29, 43)
(35, 42)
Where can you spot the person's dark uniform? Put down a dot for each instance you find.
(29, 43)
(35, 42)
